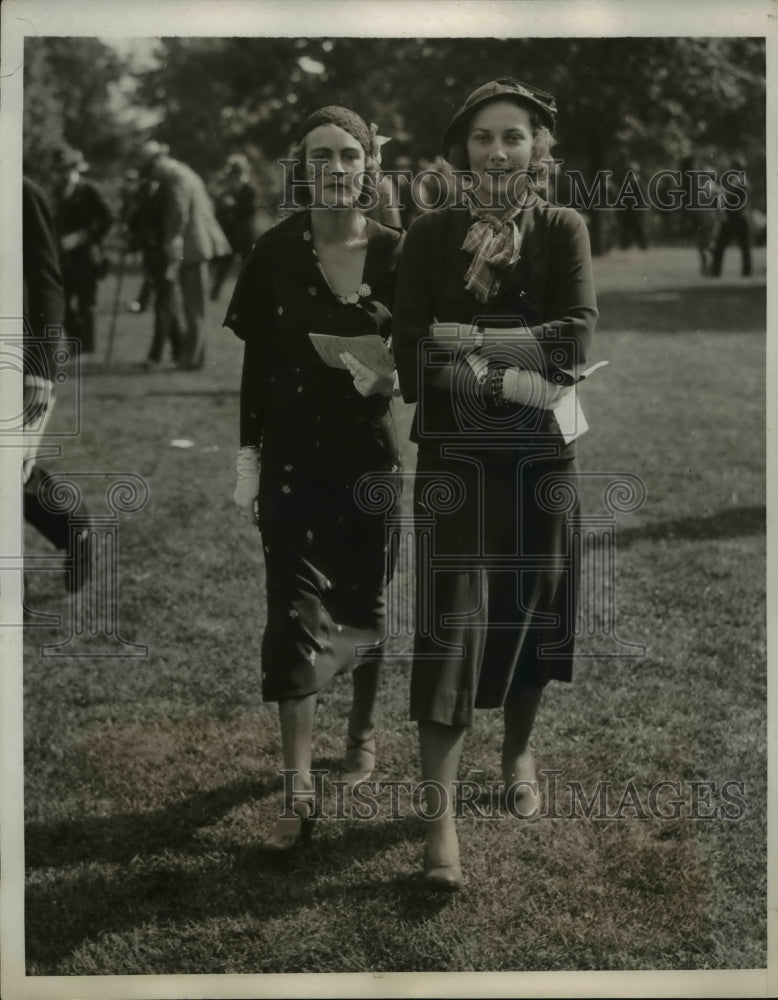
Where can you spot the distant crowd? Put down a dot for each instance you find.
(188, 237)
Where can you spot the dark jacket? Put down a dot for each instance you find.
(83, 209)
(44, 300)
(302, 411)
(549, 290)
(236, 210)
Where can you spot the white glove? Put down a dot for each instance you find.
(480, 367)
(366, 381)
(38, 402)
(70, 241)
(529, 388)
(247, 486)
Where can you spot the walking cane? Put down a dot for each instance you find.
(115, 313)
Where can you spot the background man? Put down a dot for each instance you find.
(44, 307)
(83, 218)
(190, 237)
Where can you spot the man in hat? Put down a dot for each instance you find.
(140, 232)
(236, 210)
(83, 218)
(189, 237)
(734, 223)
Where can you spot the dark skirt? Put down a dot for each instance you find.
(327, 568)
(496, 581)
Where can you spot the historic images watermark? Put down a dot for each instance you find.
(86, 539)
(591, 550)
(92, 559)
(54, 358)
(535, 438)
(560, 798)
(429, 189)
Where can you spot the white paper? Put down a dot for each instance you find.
(570, 417)
(370, 350)
(592, 368)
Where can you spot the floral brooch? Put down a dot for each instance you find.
(362, 292)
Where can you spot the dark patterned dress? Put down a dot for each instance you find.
(326, 559)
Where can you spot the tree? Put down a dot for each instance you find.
(67, 98)
(650, 101)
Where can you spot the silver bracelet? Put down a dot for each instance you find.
(496, 377)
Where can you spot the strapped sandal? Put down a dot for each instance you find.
(289, 831)
(359, 761)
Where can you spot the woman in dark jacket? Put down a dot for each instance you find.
(317, 429)
(494, 312)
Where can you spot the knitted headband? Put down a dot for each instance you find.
(349, 121)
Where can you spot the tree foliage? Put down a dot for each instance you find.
(650, 101)
(705, 87)
(68, 98)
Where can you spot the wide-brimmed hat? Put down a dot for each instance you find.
(536, 100)
(67, 158)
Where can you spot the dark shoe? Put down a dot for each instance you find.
(289, 831)
(359, 761)
(442, 878)
(443, 872)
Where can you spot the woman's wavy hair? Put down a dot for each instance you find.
(543, 139)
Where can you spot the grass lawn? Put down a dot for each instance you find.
(150, 779)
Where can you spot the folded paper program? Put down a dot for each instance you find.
(591, 369)
(370, 350)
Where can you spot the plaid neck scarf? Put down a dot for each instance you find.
(494, 242)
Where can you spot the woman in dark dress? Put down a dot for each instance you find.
(308, 433)
(494, 312)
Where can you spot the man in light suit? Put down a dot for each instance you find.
(189, 237)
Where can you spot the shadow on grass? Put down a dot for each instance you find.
(120, 838)
(738, 308)
(200, 883)
(733, 522)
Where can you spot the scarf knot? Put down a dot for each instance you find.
(494, 243)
